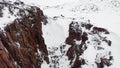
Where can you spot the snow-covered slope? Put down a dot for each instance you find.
(77, 33)
(56, 32)
(102, 13)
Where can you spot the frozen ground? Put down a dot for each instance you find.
(101, 13)
(104, 13)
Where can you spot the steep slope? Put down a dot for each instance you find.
(22, 43)
(95, 47)
(60, 36)
(84, 45)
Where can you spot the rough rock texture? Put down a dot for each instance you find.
(22, 44)
(6, 61)
(79, 35)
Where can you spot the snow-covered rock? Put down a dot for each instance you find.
(62, 34)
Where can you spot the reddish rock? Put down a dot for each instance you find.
(5, 60)
(77, 41)
(22, 39)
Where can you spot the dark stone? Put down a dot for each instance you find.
(98, 29)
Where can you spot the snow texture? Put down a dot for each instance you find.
(60, 13)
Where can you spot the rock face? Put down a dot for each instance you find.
(80, 39)
(22, 44)
(5, 60)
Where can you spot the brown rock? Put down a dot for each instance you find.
(22, 39)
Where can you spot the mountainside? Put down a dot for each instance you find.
(21, 41)
(54, 37)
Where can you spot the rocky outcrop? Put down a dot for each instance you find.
(22, 44)
(79, 40)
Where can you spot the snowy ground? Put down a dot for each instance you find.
(102, 13)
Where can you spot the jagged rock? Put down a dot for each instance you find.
(77, 39)
(22, 44)
(22, 39)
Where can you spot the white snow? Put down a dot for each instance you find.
(44, 65)
(6, 19)
(106, 16)
(102, 13)
(53, 33)
(108, 13)
(115, 50)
